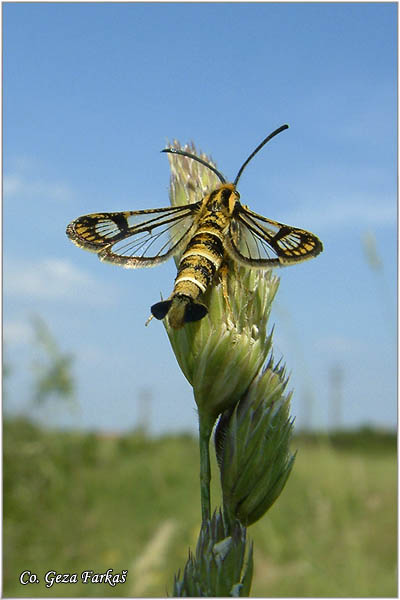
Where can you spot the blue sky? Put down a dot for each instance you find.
(92, 92)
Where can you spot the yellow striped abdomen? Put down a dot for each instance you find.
(200, 261)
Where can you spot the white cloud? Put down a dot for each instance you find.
(54, 279)
(350, 212)
(20, 186)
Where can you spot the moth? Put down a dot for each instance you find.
(207, 234)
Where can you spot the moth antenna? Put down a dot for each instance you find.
(267, 139)
(200, 160)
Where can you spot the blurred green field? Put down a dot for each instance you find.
(75, 502)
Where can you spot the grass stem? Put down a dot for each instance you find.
(205, 429)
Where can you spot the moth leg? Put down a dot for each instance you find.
(148, 320)
(223, 275)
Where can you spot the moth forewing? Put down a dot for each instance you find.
(246, 250)
(148, 248)
(134, 239)
(261, 242)
(245, 244)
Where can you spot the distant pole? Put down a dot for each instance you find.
(376, 264)
(336, 376)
